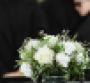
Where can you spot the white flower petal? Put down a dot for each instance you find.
(52, 40)
(26, 69)
(63, 59)
(79, 47)
(32, 43)
(80, 58)
(69, 47)
(44, 55)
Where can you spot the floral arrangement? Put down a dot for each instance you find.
(53, 55)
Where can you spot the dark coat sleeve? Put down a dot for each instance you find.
(83, 30)
(7, 55)
(60, 15)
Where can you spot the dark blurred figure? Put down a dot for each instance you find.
(18, 20)
(61, 15)
(83, 29)
(71, 15)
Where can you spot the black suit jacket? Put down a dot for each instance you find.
(18, 19)
(61, 15)
(83, 30)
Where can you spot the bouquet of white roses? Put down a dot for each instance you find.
(53, 55)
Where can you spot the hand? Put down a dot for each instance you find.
(82, 6)
(13, 74)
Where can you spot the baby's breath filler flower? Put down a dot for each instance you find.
(79, 47)
(52, 40)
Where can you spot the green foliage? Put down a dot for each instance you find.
(58, 48)
(74, 71)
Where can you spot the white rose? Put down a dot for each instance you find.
(25, 68)
(80, 58)
(52, 40)
(32, 43)
(44, 55)
(69, 47)
(79, 47)
(63, 59)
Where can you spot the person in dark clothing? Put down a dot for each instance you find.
(61, 15)
(18, 19)
(83, 29)
(69, 15)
